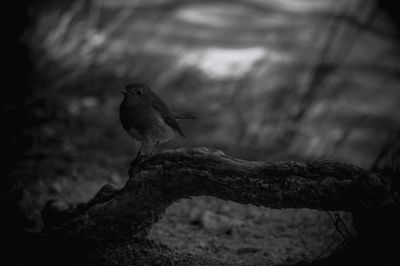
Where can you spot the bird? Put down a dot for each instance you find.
(147, 118)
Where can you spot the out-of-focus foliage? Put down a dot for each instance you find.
(310, 79)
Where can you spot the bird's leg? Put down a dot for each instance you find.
(136, 161)
(139, 153)
(154, 147)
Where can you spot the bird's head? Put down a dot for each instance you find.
(136, 91)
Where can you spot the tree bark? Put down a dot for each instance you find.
(158, 181)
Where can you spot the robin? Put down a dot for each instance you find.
(146, 117)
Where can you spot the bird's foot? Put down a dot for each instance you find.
(138, 159)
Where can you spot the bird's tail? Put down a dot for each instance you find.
(181, 117)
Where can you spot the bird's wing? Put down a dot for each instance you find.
(171, 121)
(166, 114)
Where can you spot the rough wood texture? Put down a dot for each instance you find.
(158, 181)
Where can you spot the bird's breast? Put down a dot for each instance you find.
(134, 133)
(145, 124)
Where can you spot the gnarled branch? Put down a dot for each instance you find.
(158, 181)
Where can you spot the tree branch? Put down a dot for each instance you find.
(158, 181)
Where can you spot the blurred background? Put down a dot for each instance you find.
(268, 80)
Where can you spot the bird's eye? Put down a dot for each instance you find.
(139, 92)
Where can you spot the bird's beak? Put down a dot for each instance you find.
(124, 92)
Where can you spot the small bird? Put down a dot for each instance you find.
(146, 117)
